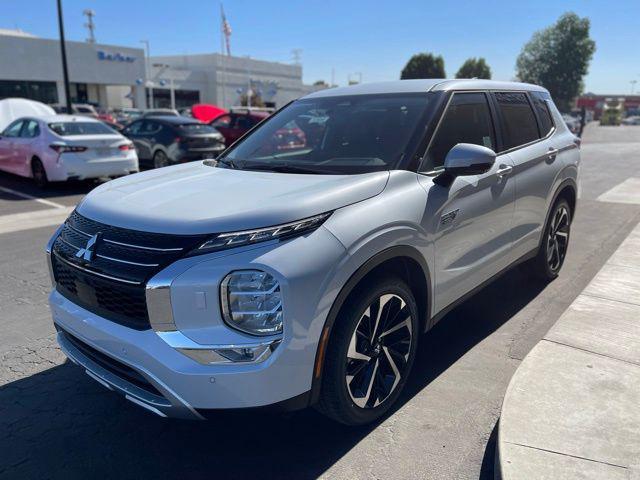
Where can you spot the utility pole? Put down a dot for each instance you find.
(296, 54)
(90, 25)
(63, 51)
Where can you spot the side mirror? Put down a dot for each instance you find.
(468, 159)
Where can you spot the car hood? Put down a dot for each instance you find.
(195, 198)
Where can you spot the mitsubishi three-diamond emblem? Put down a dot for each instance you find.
(88, 252)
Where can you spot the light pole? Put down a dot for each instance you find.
(63, 51)
(172, 94)
(148, 83)
(633, 86)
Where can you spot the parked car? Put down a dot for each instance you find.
(631, 120)
(127, 115)
(57, 148)
(162, 141)
(573, 123)
(85, 109)
(301, 277)
(160, 112)
(236, 123)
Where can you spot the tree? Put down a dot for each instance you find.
(558, 58)
(474, 68)
(321, 83)
(424, 65)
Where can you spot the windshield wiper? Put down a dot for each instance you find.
(286, 168)
(227, 162)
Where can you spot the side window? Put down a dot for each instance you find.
(223, 121)
(244, 123)
(467, 120)
(542, 109)
(134, 128)
(30, 129)
(517, 119)
(13, 130)
(151, 128)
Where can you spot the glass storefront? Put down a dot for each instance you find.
(45, 92)
(184, 98)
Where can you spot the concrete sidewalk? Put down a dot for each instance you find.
(572, 409)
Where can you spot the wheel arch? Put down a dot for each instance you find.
(404, 260)
(568, 190)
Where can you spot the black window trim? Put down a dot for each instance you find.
(535, 115)
(492, 114)
(545, 101)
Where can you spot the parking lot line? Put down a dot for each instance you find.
(42, 218)
(625, 192)
(31, 197)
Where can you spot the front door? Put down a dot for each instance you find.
(470, 219)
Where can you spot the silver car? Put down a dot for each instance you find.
(306, 276)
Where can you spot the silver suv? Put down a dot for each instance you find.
(290, 275)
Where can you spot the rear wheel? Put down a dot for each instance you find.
(370, 353)
(160, 159)
(555, 242)
(39, 173)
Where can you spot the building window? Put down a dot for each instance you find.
(45, 92)
(78, 93)
(184, 98)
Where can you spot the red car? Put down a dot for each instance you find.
(234, 124)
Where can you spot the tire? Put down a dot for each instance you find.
(160, 159)
(547, 263)
(39, 173)
(352, 359)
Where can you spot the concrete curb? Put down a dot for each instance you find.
(572, 409)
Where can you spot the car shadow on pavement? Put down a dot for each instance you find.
(60, 424)
(56, 189)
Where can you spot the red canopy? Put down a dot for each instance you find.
(206, 112)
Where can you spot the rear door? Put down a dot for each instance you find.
(527, 139)
(7, 146)
(471, 218)
(134, 132)
(23, 146)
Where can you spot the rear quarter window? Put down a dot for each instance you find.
(517, 119)
(542, 109)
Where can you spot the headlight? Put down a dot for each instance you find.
(246, 237)
(252, 302)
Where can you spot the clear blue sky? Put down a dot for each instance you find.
(372, 37)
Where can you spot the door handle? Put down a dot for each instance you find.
(551, 153)
(504, 170)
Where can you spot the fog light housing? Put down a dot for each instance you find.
(252, 302)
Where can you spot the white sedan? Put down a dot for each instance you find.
(61, 147)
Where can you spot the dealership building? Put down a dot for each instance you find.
(113, 76)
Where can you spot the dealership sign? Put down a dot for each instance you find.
(115, 57)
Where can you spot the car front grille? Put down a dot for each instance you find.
(111, 280)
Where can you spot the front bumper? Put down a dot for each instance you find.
(185, 385)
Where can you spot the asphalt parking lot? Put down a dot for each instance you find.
(55, 422)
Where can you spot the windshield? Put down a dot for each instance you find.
(333, 135)
(66, 129)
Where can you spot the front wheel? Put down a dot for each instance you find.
(370, 353)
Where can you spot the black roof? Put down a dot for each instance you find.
(171, 119)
